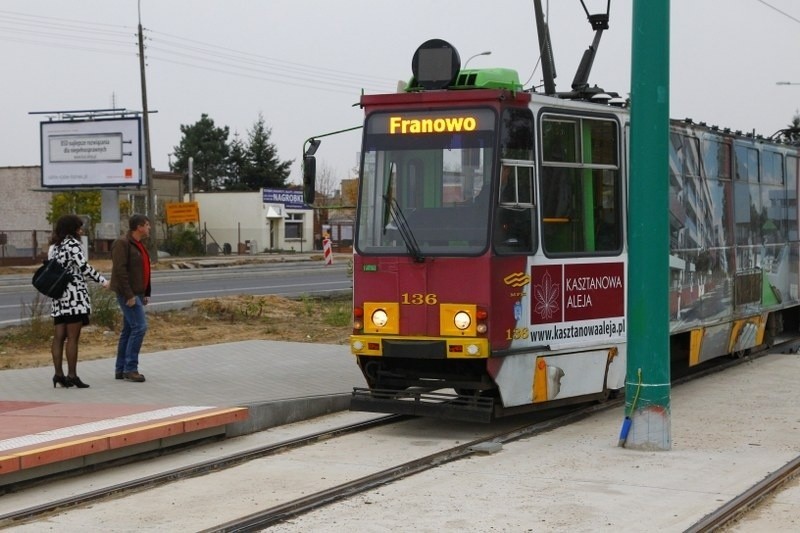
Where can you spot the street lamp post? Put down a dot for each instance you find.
(486, 53)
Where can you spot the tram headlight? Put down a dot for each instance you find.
(379, 318)
(462, 320)
(457, 319)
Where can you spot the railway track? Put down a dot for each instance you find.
(192, 470)
(273, 514)
(488, 444)
(738, 506)
(289, 507)
(268, 517)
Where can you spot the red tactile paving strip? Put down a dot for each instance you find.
(40, 433)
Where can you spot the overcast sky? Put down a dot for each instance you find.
(304, 64)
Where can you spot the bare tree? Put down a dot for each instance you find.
(327, 184)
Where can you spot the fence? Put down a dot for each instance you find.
(28, 247)
(244, 240)
(23, 247)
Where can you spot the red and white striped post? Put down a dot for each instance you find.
(327, 251)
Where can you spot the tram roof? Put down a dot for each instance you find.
(445, 97)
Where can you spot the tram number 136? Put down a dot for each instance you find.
(419, 299)
(516, 334)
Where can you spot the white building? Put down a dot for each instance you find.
(268, 220)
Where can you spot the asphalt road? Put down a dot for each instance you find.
(178, 288)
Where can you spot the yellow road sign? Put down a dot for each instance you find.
(182, 212)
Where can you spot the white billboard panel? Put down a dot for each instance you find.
(92, 153)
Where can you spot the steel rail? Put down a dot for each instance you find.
(299, 506)
(193, 470)
(747, 500)
(273, 515)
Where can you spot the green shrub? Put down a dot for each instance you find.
(36, 319)
(184, 242)
(105, 309)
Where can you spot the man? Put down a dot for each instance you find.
(130, 279)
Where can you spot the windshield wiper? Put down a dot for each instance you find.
(392, 208)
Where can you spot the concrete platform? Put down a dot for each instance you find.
(41, 438)
(192, 393)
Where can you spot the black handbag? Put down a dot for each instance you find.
(51, 279)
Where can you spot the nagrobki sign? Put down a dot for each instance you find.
(290, 199)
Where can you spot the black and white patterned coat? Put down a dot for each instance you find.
(75, 300)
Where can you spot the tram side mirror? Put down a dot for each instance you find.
(309, 178)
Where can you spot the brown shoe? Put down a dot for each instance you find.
(133, 376)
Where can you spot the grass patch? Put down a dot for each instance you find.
(206, 322)
(338, 314)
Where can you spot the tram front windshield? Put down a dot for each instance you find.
(425, 183)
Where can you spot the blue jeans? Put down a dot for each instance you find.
(134, 326)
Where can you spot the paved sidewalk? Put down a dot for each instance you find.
(232, 374)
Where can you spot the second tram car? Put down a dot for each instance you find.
(490, 257)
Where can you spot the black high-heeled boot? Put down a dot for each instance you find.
(61, 380)
(76, 381)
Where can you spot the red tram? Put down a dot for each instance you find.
(490, 257)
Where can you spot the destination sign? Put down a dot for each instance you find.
(432, 123)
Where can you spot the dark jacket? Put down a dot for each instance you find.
(127, 270)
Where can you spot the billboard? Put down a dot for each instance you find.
(92, 153)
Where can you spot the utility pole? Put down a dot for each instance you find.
(147, 170)
(647, 388)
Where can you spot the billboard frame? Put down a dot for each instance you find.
(95, 153)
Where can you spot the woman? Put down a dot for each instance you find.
(70, 312)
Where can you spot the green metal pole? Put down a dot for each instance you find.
(647, 389)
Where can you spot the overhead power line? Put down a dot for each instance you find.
(75, 34)
(259, 59)
(784, 13)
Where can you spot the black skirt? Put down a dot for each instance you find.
(83, 318)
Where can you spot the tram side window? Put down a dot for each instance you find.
(747, 201)
(772, 171)
(746, 163)
(580, 193)
(513, 228)
(716, 159)
(517, 134)
(691, 160)
(514, 231)
(773, 198)
(792, 171)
